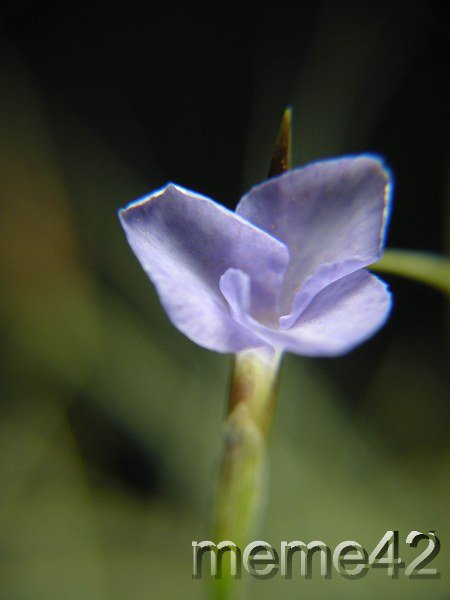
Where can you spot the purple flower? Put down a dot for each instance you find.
(283, 272)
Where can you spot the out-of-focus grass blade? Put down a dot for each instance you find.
(425, 267)
(50, 548)
(47, 302)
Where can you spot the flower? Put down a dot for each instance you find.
(285, 271)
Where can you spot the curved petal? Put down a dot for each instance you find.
(341, 316)
(331, 215)
(185, 242)
(235, 286)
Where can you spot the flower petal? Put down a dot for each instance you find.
(185, 242)
(341, 316)
(331, 215)
(235, 286)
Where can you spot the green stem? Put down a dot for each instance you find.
(240, 491)
(253, 391)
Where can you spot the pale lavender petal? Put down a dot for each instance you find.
(341, 316)
(331, 215)
(235, 286)
(185, 242)
(319, 280)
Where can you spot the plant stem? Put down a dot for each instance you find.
(253, 391)
(240, 491)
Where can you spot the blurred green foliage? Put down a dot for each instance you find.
(90, 360)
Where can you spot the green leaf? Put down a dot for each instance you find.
(425, 267)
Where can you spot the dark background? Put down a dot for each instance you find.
(102, 103)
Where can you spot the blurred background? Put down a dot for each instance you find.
(110, 419)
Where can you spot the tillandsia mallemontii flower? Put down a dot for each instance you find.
(285, 271)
